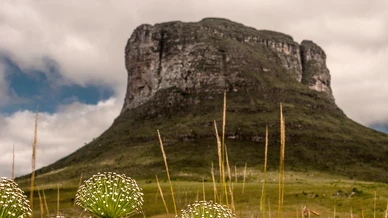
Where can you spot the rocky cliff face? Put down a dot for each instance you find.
(213, 55)
(315, 73)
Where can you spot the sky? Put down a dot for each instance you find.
(68, 58)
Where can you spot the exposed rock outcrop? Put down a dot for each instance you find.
(315, 73)
(214, 54)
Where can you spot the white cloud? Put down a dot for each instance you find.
(360, 87)
(88, 47)
(87, 38)
(59, 134)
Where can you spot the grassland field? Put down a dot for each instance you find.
(324, 193)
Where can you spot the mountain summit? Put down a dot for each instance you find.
(177, 75)
(215, 54)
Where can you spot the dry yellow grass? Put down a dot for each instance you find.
(235, 173)
(351, 212)
(40, 205)
(232, 197)
(203, 189)
(45, 204)
(34, 159)
(227, 164)
(223, 150)
(167, 171)
(214, 184)
(161, 195)
(219, 158)
(244, 177)
(230, 181)
(262, 199)
(58, 194)
(374, 206)
(307, 213)
(281, 164)
(269, 209)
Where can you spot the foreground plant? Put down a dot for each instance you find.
(13, 202)
(110, 195)
(204, 209)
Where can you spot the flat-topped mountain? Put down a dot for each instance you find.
(215, 54)
(177, 75)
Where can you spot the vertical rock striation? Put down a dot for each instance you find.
(214, 54)
(315, 73)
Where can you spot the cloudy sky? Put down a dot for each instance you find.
(68, 58)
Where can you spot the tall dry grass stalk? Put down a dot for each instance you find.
(223, 149)
(58, 194)
(13, 162)
(34, 159)
(351, 213)
(80, 180)
(374, 206)
(232, 197)
(235, 174)
(227, 164)
(45, 204)
(262, 199)
(281, 164)
(335, 214)
(386, 211)
(244, 177)
(219, 153)
(362, 213)
(214, 185)
(269, 209)
(229, 180)
(33, 162)
(203, 189)
(223, 126)
(40, 205)
(168, 174)
(161, 195)
(221, 156)
(224, 119)
(314, 212)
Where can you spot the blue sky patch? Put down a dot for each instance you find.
(27, 89)
(382, 127)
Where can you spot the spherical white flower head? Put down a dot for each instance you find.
(13, 202)
(204, 209)
(110, 195)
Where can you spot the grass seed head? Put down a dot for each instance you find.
(110, 195)
(204, 209)
(13, 202)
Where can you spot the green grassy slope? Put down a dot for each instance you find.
(318, 137)
(318, 134)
